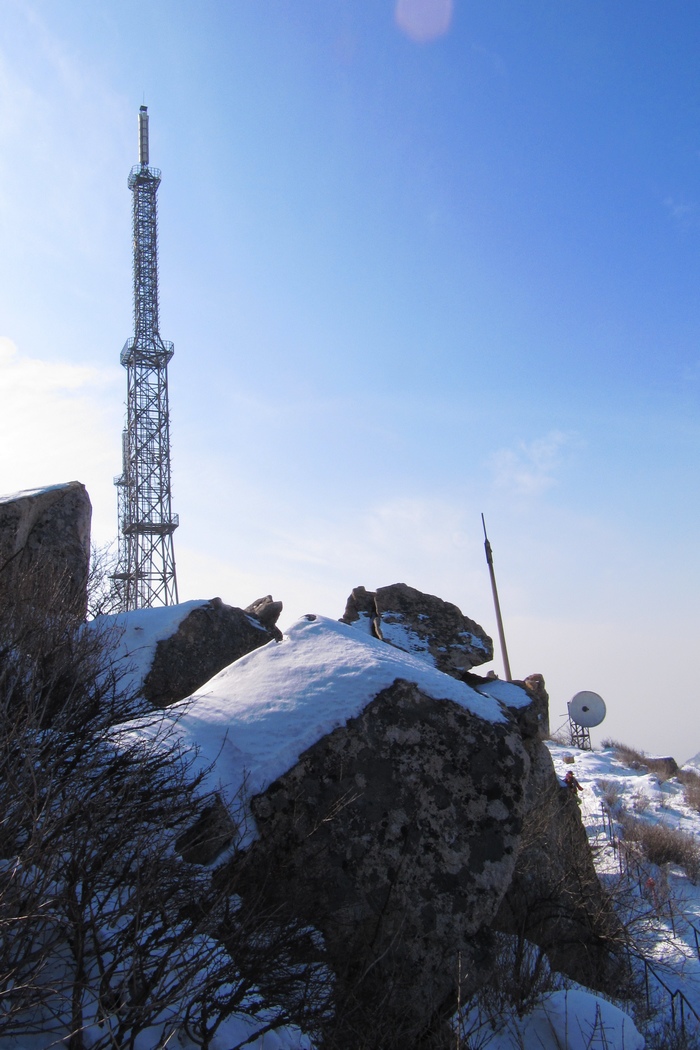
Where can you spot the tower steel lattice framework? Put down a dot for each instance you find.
(146, 568)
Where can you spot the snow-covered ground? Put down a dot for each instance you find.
(668, 906)
(693, 763)
(666, 913)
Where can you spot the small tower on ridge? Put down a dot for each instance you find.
(146, 570)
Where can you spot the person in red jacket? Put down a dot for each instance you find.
(572, 783)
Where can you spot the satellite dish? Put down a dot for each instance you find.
(587, 709)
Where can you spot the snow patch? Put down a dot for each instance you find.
(474, 641)
(27, 493)
(397, 633)
(573, 1018)
(506, 692)
(364, 624)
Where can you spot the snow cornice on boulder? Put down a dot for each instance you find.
(253, 720)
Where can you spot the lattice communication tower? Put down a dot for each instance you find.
(146, 568)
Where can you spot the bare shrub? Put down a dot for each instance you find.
(691, 787)
(640, 803)
(629, 755)
(518, 978)
(662, 844)
(559, 736)
(670, 1037)
(610, 792)
(103, 597)
(106, 931)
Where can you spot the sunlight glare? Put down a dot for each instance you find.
(423, 20)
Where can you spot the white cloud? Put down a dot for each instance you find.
(530, 468)
(312, 561)
(59, 422)
(678, 210)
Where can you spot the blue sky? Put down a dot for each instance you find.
(409, 278)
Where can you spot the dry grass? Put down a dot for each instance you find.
(610, 790)
(691, 787)
(640, 803)
(669, 1038)
(663, 768)
(662, 844)
(558, 737)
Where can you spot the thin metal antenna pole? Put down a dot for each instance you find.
(496, 603)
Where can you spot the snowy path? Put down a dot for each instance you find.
(671, 906)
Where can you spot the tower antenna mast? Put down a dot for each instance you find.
(146, 568)
(496, 603)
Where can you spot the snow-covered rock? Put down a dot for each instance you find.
(166, 653)
(45, 547)
(430, 628)
(396, 836)
(253, 720)
(387, 799)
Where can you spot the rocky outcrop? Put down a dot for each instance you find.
(555, 899)
(396, 835)
(527, 701)
(411, 834)
(422, 624)
(45, 548)
(267, 611)
(209, 638)
(534, 684)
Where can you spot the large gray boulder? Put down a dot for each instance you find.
(415, 829)
(267, 611)
(210, 638)
(422, 624)
(45, 548)
(396, 836)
